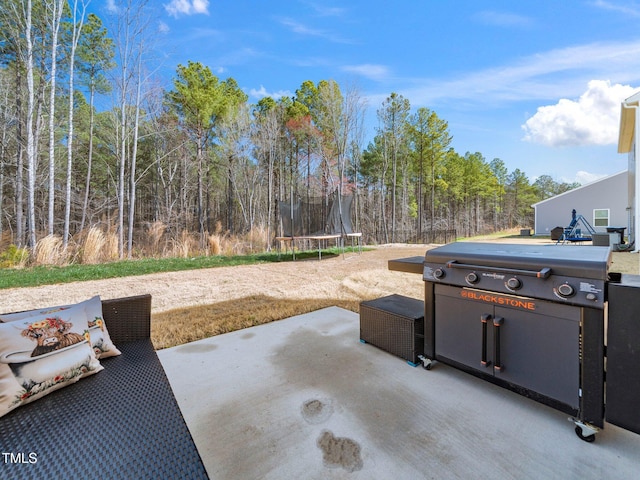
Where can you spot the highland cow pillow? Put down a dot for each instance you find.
(100, 339)
(40, 354)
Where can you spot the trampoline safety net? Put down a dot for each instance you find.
(316, 217)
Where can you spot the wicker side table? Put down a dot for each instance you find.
(395, 324)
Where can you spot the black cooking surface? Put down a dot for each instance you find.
(587, 262)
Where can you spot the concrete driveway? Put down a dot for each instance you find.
(302, 398)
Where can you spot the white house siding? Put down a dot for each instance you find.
(607, 193)
(631, 185)
(628, 143)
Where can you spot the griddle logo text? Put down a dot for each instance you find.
(499, 300)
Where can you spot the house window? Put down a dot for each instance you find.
(601, 217)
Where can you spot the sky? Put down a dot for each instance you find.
(535, 83)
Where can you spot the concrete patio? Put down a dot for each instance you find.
(302, 398)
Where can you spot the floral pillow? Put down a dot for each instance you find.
(100, 339)
(40, 354)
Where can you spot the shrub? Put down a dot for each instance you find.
(14, 257)
(185, 246)
(49, 251)
(111, 245)
(93, 251)
(215, 242)
(155, 233)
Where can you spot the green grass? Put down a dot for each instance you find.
(49, 275)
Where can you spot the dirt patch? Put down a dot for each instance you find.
(317, 411)
(340, 452)
(347, 277)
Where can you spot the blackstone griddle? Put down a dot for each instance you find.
(532, 319)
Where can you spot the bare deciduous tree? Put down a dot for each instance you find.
(54, 10)
(131, 20)
(78, 9)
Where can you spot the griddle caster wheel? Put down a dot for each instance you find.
(585, 431)
(426, 362)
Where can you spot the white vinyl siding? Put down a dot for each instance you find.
(606, 193)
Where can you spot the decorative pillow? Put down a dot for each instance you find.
(40, 354)
(100, 339)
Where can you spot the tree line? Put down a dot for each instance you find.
(198, 157)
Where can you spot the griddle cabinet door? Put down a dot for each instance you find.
(623, 354)
(537, 349)
(463, 330)
(541, 351)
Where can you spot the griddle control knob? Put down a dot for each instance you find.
(472, 278)
(514, 283)
(439, 273)
(565, 290)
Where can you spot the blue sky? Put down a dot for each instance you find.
(537, 84)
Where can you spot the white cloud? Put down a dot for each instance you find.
(262, 92)
(327, 11)
(583, 177)
(163, 27)
(500, 19)
(176, 8)
(626, 10)
(591, 120)
(374, 72)
(302, 29)
(543, 76)
(201, 6)
(111, 6)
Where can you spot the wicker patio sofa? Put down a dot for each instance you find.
(121, 423)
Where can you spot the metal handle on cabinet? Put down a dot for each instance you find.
(484, 318)
(497, 323)
(542, 273)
